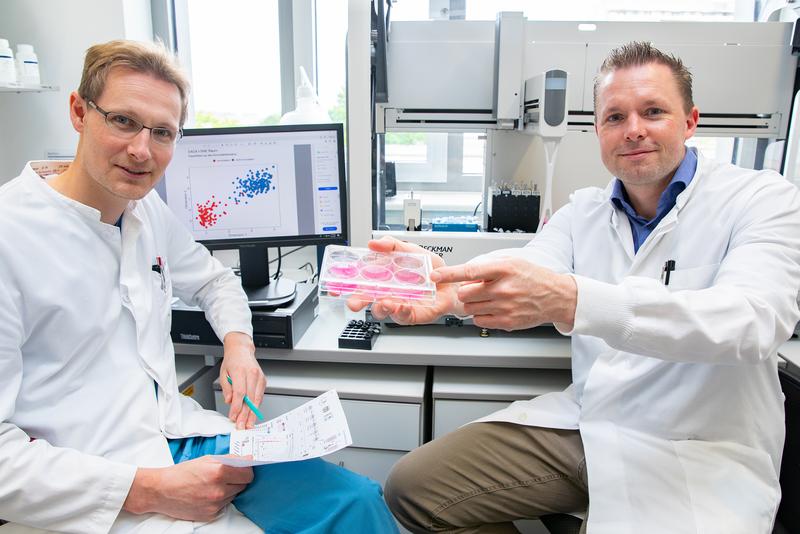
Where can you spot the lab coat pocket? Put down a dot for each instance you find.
(693, 278)
(162, 294)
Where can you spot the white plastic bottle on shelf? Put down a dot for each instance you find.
(8, 70)
(27, 66)
(308, 110)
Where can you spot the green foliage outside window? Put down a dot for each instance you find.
(275, 118)
(206, 119)
(338, 113)
(405, 138)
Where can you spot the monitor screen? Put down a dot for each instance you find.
(254, 187)
(277, 185)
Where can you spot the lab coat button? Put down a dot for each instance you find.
(522, 416)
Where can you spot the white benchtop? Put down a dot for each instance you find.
(541, 348)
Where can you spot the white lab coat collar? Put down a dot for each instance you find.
(40, 171)
(619, 220)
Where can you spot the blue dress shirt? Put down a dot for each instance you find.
(641, 227)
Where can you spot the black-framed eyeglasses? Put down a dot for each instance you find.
(128, 128)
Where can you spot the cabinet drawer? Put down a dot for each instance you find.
(372, 463)
(373, 425)
(449, 414)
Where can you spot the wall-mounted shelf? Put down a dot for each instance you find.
(5, 88)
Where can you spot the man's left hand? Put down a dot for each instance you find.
(512, 293)
(239, 362)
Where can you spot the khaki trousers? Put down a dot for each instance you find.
(483, 476)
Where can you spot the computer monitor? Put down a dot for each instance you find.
(256, 187)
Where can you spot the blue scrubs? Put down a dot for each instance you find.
(309, 497)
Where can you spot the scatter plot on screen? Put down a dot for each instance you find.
(235, 197)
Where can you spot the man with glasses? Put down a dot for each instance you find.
(129, 127)
(94, 435)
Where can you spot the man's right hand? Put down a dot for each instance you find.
(402, 312)
(195, 490)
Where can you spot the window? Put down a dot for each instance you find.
(234, 60)
(419, 157)
(719, 149)
(331, 17)
(444, 170)
(244, 58)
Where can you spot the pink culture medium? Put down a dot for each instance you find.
(409, 277)
(373, 272)
(343, 270)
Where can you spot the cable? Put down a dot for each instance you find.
(278, 271)
(290, 252)
(311, 276)
(309, 266)
(475, 211)
(388, 17)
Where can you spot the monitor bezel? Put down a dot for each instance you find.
(297, 240)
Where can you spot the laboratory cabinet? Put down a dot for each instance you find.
(195, 379)
(463, 394)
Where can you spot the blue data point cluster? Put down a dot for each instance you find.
(255, 182)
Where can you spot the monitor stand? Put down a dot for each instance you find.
(260, 288)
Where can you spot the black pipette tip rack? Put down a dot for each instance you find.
(359, 334)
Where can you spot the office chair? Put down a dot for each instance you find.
(561, 523)
(788, 519)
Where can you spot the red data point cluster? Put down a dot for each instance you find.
(207, 214)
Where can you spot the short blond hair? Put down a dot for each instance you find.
(637, 53)
(149, 58)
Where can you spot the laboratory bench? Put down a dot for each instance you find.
(451, 346)
(415, 384)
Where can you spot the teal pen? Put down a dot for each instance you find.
(249, 403)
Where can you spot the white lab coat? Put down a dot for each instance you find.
(675, 388)
(84, 335)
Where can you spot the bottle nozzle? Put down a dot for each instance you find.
(304, 88)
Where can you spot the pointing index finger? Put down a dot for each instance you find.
(390, 244)
(468, 272)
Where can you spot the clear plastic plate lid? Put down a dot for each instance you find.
(373, 275)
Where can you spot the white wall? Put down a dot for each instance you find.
(60, 31)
